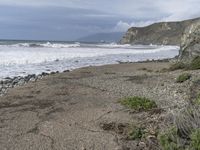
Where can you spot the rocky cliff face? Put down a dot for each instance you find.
(190, 42)
(164, 33)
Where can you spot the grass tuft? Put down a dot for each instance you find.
(183, 77)
(177, 66)
(195, 139)
(185, 135)
(197, 100)
(168, 140)
(138, 103)
(137, 133)
(195, 64)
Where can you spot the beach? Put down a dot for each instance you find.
(80, 109)
(78, 76)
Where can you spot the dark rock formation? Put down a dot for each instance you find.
(190, 42)
(164, 33)
(8, 83)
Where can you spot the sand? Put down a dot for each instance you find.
(80, 110)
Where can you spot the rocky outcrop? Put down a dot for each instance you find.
(190, 42)
(164, 33)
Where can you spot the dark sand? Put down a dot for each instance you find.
(79, 110)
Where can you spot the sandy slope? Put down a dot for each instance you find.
(79, 110)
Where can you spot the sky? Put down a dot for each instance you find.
(68, 20)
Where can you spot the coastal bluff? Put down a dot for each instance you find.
(190, 42)
(163, 33)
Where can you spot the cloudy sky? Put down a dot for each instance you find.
(71, 19)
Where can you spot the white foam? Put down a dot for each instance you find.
(24, 60)
(45, 45)
(53, 45)
(114, 45)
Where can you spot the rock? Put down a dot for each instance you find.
(44, 74)
(8, 82)
(142, 145)
(66, 71)
(164, 33)
(21, 82)
(53, 73)
(190, 42)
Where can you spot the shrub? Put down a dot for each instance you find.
(186, 133)
(136, 133)
(183, 77)
(195, 64)
(177, 66)
(168, 140)
(197, 101)
(195, 140)
(145, 69)
(138, 103)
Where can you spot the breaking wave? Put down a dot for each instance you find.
(18, 59)
(45, 45)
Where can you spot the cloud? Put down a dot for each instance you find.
(54, 23)
(131, 8)
(122, 26)
(179, 9)
(70, 19)
(143, 9)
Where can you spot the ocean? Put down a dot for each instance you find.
(20, 58)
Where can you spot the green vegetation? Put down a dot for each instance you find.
(185, 135)
(195, 64)
(183, 77)
(145, 69)
(168, 140)
(177, 66)
(197, 101)
(136, 133)
(138, 103)
(195, 140)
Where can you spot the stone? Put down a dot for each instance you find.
(8, 82)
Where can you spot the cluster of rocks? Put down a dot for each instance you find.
(8, 82)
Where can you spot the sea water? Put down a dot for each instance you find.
(20, 58)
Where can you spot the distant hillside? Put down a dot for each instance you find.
(99, 37)
(166, 33)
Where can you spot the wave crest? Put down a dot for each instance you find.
(46, 45)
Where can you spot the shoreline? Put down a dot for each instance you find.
(12, 82)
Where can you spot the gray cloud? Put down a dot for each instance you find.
(70, 19)
(131, 8)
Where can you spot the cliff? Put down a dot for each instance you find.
(190, 42)
(163, 33)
